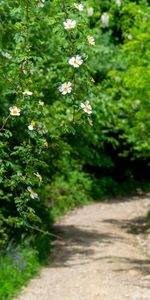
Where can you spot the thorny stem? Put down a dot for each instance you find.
(64, 8)
(4, 123)
(74, 87)
(25, 6)
(71, 43)
(44, 232)
(25, 34)
(71, 52)
(27, 19)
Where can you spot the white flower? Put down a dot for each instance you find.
(14, 111)
(105, 20)
(23, 67)
(69, 24)
(33, 195)
(41, 3)
(38, 176)
(91, 40)
(118, 3)
(117, 78)
(41, 103)
(31, 126)
(76, 61)
(130, 37)
(136, 104)
(92, 80)
(6, 54)
(19, 173)
(80, 7)
(86, 107)
(65, 88)
(27, 92)
(90, 11)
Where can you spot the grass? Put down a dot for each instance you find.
(17, 266)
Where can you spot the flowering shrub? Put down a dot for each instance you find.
(74, 77)
(45, 80)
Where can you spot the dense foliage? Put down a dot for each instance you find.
(74, 106)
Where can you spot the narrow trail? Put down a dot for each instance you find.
(98, 257)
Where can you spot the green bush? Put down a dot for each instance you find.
(67, 191)
(39, 54)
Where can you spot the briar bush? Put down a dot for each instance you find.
(46, 89)
(74, 106)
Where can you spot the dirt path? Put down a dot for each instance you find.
(97, 257)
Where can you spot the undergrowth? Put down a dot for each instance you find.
(17, 266)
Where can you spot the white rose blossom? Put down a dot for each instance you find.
(118, 2)
(136, 104)
(38, 176)
(14, 111)
(27, 92)
(91, 40)
(130, 37)
(86, 107)
(31, 126)
(19, 173)
(6, 54)
(41, 103)
(90, 11)
(69, 24)
(80, 6)
(41, 3)
(33, 195)
(65, 88)
(76, 61)
(105, 20)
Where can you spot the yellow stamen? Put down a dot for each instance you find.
(33, 123)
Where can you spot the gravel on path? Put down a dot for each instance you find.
(101, 254)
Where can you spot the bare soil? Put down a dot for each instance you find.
(102, 253)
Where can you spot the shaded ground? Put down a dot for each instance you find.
(102, 253)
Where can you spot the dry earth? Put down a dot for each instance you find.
(101, 254)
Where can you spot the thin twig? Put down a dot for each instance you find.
(4, 123)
